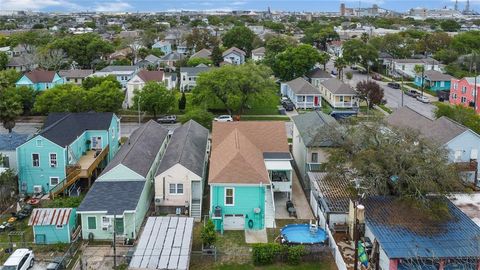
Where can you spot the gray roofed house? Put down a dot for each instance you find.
(433, 75)
(119, 69)
(184, 163)
(173, 56)
(310, 138)
(302, 93)
(203, 53)
(258, 54)
(124, 190)
(140, 151)
(188, 76)
(406, 118)
(122, 73)
(75, 75)
(335, 86)
(339, 94)
(8, 145)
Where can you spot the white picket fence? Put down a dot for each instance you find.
(335, 250)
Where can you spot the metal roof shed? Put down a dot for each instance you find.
(166, 243)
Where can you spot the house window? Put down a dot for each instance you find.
(314, 157)
(464, 99)
(59, 227)
(36, 160)
(458, 155)
(54, 181)
(464, 89)
(38, 142)
(176, 189)
(229, 196)
(106, 222)
(442, 84)
(91, 223)
(53, 160)
(455, 86)
(454, 96)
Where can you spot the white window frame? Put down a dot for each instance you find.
(106, 223)
(54, 177)
(176, 192)
(33, 160)
(463, 100)
(50, 159)
(225, 196)
(457, 156)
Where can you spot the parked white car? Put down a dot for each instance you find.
(423, 99)
(223, 118)
(21, 259)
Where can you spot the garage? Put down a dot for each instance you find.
(234, 222)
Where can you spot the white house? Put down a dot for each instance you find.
(138, 81)
(189, 75)
(406, 67)
(339, 94)
(122, 73)
(258, 54)
(234, 56)
(180, 178)
(302, 94)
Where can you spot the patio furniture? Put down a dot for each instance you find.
(291, 209)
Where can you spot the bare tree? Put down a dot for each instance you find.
(51, 58)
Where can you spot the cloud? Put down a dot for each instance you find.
(37, 4)
(115, 6)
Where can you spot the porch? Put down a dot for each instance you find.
(280, 173)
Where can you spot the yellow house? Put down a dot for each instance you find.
(339, 94)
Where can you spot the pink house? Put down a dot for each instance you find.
(462, 92)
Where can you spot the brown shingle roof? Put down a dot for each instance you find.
(147, 76)
(38, 76)
(75, 73)
(406, 118)
(238, 147)
(203, 53)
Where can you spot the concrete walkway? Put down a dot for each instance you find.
(256, 236)
(300, 201)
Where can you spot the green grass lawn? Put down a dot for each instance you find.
(385, 108)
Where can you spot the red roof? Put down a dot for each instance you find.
(146, 75)
(39, 76)
(50, 216)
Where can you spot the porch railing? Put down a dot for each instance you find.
(73, 174)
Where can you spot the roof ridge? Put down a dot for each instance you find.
(56, 123)
(144, 127)
(183, 146)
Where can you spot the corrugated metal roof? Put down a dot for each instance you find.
(402, 235)
(50, 216)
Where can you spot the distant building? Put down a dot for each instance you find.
(40, 80)
(463, 92)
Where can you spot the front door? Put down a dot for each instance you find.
(119, 226)
(316, 101)
(97, 143)
(196, 190)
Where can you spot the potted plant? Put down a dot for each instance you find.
(88, 142)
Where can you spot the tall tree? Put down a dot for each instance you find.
(62, 98)
(340, 64)
(155, 98)
(216, 56)
(241, 37)
(324, 59)
(91, 82)
(10, 109)
(3, 60)
(355, 51)
(420, 70)
(106, 97)
(295, 62)
(319, 35)
(51, 59)
(201, 38)
(275, 45)
(371, 92)
(235, 87)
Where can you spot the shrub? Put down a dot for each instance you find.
(295, 253)
(349, 75)
(182, 102)
(208, 234)
(265, 253)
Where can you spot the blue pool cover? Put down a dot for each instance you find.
(300, 234)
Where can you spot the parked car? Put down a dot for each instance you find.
(223, 118)
(412, 93)
(423, 99)
(21, 259)
(393, 85)
(443, 95)
(376, 77)
(289, 106)
(334, 72)
(167, 119)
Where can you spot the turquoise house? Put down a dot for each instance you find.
(69, 148)
(164, 46)
(40, 80)
(250, 161)
(434, 80)
(54, 225)
(121, 196)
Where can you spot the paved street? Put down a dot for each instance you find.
(393, 96)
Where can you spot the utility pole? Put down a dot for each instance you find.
(139, 98)
(401, 90)
(114, 245)
(475, 94)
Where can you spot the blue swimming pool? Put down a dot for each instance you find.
(301, 234)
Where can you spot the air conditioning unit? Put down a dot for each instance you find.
(105, 228)
(37, 189)
(158, 201)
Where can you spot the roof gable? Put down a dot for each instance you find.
(310, 126)
(40, 76)
(147, 75)
(300, 86)
(337, 87)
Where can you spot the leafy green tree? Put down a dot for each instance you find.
(93, 81)
(3, 60)
(122, 62)
(340, 64)
(446, 56)
(235, 87)
(433, 42)
(295, 62)
(155, 98)
(24, 95)
(450, 25)
(143, 52)
(463, 115)
(371, 92)
(216, 56)
(182, 102)
(201, 39)
(319, 34)
(105, 97)
(208, 234)
(396, 163)
(214, 20)
(396, 45)
(8, 184)
(324, 59)
(356, 51)
(275, 45)
(10, 109)
(241, 37)
(157, 52)
(199, 115)
(420, 70)
(193, 62)
(29, 40)
(8, 78)
(275, 26)
(62, 98)
(465, 43)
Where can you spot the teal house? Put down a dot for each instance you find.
(250, 161)
(164, 46)
(54, 225)
(121, 196)
(68, 152)
(434, 80)
(40, 80)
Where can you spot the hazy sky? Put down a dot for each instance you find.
(164, 5)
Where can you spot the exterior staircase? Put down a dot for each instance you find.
(269, 208)
(196, 210)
